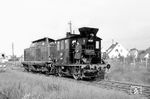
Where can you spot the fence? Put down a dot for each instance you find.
(132, 62)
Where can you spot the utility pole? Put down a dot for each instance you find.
(13, 51)
(112, 41)
(70, 26)
(47, 42)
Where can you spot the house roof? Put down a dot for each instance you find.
(142, 55)
(133, 49)
(148, 50)
(111, 47)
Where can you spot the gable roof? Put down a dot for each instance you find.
(133, 49)
(142, 55)
(148, 50)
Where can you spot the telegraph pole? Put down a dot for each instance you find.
(112, 41)
(13, 51)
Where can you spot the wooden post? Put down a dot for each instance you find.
(147, 57)
(146, 62)
(48, 53)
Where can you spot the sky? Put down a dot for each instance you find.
(23, 21)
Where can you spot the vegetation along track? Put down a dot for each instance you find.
(129, 88)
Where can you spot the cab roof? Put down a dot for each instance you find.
(43, 39)
(87, 30)
(84, 31)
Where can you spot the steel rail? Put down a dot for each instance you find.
(114, 85)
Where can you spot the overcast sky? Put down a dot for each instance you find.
(125, 21)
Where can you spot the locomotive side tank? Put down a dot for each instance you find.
(77, 55)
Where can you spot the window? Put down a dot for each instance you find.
(62, 45)
(90, 40)
(91, 34)
(43, 43)
(97, 44)
(66, 44)
(83, 41)
(73, 43)
(58, 46)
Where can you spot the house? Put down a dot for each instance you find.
(143, 57)
(3, 58)
(144, 54)
(116, 50)
(133, 52)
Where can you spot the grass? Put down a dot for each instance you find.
(20, 85)
(129, 73)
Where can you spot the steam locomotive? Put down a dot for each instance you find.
(76, 55)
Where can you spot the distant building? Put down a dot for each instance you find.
(3, 58)
(133, 52)
(144, 54)
(116, 50)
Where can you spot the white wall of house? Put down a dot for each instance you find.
(147, 56)
(118, 49)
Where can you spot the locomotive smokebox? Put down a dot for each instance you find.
(86, 31)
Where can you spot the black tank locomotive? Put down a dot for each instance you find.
(77, 55)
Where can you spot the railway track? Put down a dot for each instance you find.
(129, 88)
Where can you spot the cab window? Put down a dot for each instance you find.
(62, 45)
(97, 44)
(58, 45)
(66, 44)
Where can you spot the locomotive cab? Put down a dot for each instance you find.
(79, 54)
(83, 48)
(92, 46)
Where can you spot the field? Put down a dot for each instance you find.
(16, 84)
(135, 73)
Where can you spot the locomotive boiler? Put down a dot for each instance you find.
(77, 55)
